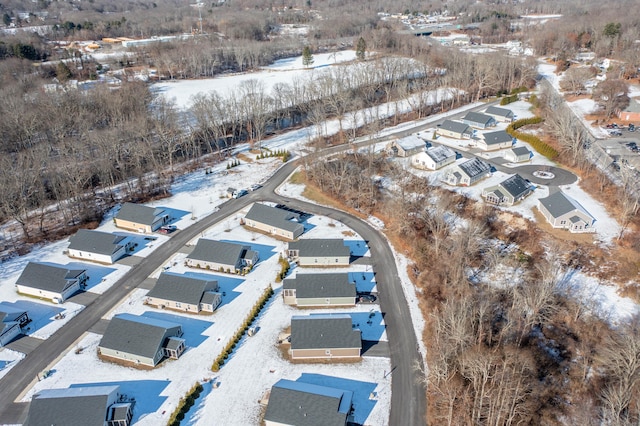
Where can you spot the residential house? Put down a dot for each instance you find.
(455, 129)
(140, 340)
(508, 192)
(273, 220)
(562, 211)
(492, 141)
(11, 322)
(502, 115)
(55, 283)
(139, 218)
(324, 336)
(183, 293)
(631, 112)
(96, 246)
(82, 406)
(478, 120)
(319, 252)
(407, 146)
(434, 158)
(332, 289)
(304, 404)
(467, 173)
(518, 154)
(222, 257)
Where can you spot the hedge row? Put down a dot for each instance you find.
(284, 154)
(255, 311)
(284, 269)
(537, 144)
(509, 99)
(185, 405)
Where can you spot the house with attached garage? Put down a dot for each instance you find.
(332, 289)
(82, 405)
(508, 192)
(182, 293)
(467, 173)
(324, 336)
(434, 158)
(141, 341)
(55, 283)
(407, 146)
(493, 141)
(221, 256)
(517, 154)
(455, 130)
(11, 322)
(294, 403)
(502, 115)
(273, 220)
(479, 120)
(96, 246)
(562, 211)
(319, 252)
(139, 218)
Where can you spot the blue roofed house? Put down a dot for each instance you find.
(324, 336)
(222, 256)
(274, 220)
(303, 404)
(330, 289)
(139, 218)
(55, 283)
(183, 293)
(320, 252)
(493, 141)
(96, 246)
(141, 341)
(508, 192)
(80, 406)
(478, 120)
(562, 211)
(11, 322)
(467, 173)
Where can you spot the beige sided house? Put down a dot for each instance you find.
(562, 211)
(455, 130)
(96, 246)
(319, 252)
(139, 218)
(502, 115)
(468, 173)
(478, 120)
(183, 293)
(221, 256)
(508, 192)
(328, 336)
(493, 141)
(517, 154)
(273, 220)
(407, 146)
(55, 283)
(307, 290)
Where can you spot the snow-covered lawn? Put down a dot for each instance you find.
(8, 359)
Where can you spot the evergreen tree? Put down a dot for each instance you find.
(361, 49)
(307, 57)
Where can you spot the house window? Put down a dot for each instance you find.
(563, 222)
(327, 351)
(316, 260)
(336, 260)
(178, 305)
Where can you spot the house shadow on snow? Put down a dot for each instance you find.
(192, 417)
(191, 327)
(226, 284)
(365, 282)
(264, 251)
(358, 248)
(146, 393)
(370, 324)
(175, 215)
(41, 314)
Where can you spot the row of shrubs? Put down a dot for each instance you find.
(185, 404)
(284, 269)
(537, 144)
(234, 163)
(255, 311)
(284, 154)
(508, 99)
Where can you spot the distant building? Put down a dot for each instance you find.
(96, 246)
(55, 283)
(320, 252)
(222, 256)
(183, 293)
(467, 173)
(328, 336)
(276, 221)
(332, 289)
(139, 218)
(434, 158)
(562, 211)
(631, 112)
(508, 192)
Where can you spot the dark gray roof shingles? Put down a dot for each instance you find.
(47, 277)
(320, 247)
(455, 126)
(324, 332)
(321, 285)
(138, 213)
(218, 251)
(180, 288)
(95, 242)
(276, 217)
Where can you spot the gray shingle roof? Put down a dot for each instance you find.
(304, 404)
(275, 217)
(138, 213)
(521, 150)
(218, 251)
(411, 142)
(138, 335)
(440, 153)
(320, 247)
(559, 204)
(47, 277)
(501, 112)
(475, 167)
(478, 117)
(180, 288)
(324, 331)
(321, 285)
(494, 138)
(81, 406)
(9, 313)
(96, 242)
(455, 126)
(515, 185)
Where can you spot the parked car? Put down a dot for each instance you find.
(255, 186)
(615, 133)
(632, 128)
(240, 193)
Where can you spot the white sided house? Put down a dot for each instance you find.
(186, 294)
(562, 211)
(222, 256)
(320, 252)
(139, 218)
(434, 158)
(502, 115)
(324, 336)
(455, 130)
(493, 141)
(140, 340)
(55, 283)
(96, 246)
(467, 173)
(319, 290)
(517, 154)
(275, 221)
(508, 192)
